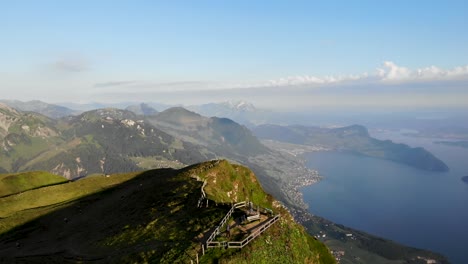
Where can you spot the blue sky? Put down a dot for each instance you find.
(145, 50)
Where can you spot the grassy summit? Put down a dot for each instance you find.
(146, 217)
(20, 182)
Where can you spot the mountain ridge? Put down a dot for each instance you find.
(221, 135)
(49, 110)
(98, 141)
(87, 138)
(355, 139)
(156, 219)
(142, 109)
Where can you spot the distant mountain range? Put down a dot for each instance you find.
(221, 135)
(354, 139)
(114, 140)
(98, 141)
(34, 141)
(109, 140)
(223, 109)
(241, 111)
(461, 143)
(49, 110)
(142, 109)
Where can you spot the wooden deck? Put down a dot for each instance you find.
(248, 227)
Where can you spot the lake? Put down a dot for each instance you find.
(414, 207)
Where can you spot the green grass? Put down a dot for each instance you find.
(229, 183)
(146, 217)
(21, 208)
(26, 151)
(154, 162)
(284, 242)
(20, 182)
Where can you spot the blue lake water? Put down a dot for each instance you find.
(417, 208)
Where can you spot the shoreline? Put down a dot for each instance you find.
(346, 242)
(292, 188)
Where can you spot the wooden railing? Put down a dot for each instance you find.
(237, 244)
(203, 195)
(243, 243)
(209, 241)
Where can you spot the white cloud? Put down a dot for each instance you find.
(393, 72)
(390, 72)
(306, 79)
(144, 86)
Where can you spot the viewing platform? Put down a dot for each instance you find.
(242, 224)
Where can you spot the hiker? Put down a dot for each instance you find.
(228, 230)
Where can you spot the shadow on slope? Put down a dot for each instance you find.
(152, 217)
(149, 217)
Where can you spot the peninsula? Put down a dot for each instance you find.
(354, 139)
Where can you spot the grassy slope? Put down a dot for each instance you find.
(142, 217)
(20, 144)
(21, 208)
(20, 182)
(24, 151)
(284, 242)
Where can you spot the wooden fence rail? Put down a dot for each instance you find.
(243, 243)
(223, 221)
(203, 195)
(237, 244)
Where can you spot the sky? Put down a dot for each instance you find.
(275, 54)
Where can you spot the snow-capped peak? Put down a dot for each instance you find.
(240, 105)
